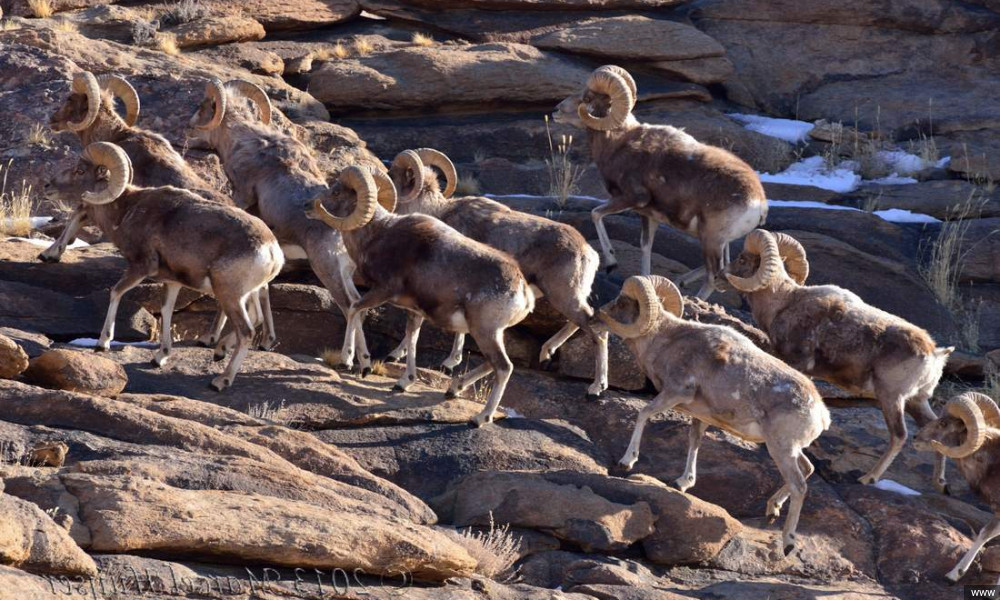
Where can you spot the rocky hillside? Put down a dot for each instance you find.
(874, 128)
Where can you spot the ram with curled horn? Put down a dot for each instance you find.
(831, 334)
(664, 175)
(430, 270)
(89, 112)
(553, 256)
(278, 177)
(718, 377)
(175, 237)
(969, 434)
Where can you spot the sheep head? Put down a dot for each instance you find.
(765, 259)
(100, 176)
(412, 173)
(963, 429)
(87, 100)
(637, 309)
(605, 103)
(363, 188)
(218, 102)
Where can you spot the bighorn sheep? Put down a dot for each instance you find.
(969, 433)
(553, 256)
(175, 237)
(418, 263)
(720, 378)
(89, 111)
(829, 333)
(278, 175)
(663, 174)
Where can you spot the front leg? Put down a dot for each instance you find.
(355, 321)
(455, 358)
(54, 253)
(616, 205)
(663, 401)
(133, 276)
(170, 291)
(413, 323)
(646, 233)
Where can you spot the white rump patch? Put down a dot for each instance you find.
(457, 322)
(293, 252)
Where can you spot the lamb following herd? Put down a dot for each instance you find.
(474, 266)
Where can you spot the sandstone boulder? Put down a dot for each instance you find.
(76, 371)
(980, 251)
(217, 30)
(18, 585)
(13, 359)
(446, 75)
(126, 514)
(29, 539)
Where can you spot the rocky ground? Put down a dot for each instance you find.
(164, 488)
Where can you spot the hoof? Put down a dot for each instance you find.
(365, 372)
(545, 365)
(218, 385)
(472, 424)
(789, 548)
(610, 269)
(447, 370)
(594, 396)
(48, 259)
(676, 486)
(449, 395)
(217, 357)
(397, 388)
(866, 480)
(102, 349)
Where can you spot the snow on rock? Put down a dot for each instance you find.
(898, 488)
(893, 215)
(92, 343)
(813, 172)
(77, 243)
(783, 129)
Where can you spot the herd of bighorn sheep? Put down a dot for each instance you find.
(473, 266)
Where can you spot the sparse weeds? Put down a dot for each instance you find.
(330, 357)
(872, 202)
(267, 411)
(167, 44)
(8, 25)
(42, 9)
(422, 39)
(564, 174)
(468, 185)
(15, 207)
(338, 51)
(971, 320)
(363, 47)
(182, 12)
(66, 26)
(379, 368)
(39, 135)
(495, 550)
(946, 254)
(144, 32)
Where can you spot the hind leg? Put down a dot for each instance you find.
(788, 461)
(212, 338)
(775, 502)
(556, 341)
(170, 291)
(920, 409)
(413, 323)
(491, 345)
(455, 358)
(713, 253)
(990, 531)
(695, 435)
(236, 310)
(892, 410)
(614, 206)
(270, 339)
(646, 233)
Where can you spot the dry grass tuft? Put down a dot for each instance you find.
(267, 411)
(338, 51)
(167, 44)
(495, 550)
(39, 135)
(15, 207)
(564, 174)
(422, 39)
(41, 8)
(8, 25)
(330, 357)
(378, 368)
(468, 185)
(66, 26)
(942, 269)
(363, 47)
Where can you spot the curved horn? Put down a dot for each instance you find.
(762, 243)
(614, 86)
(641, 290)
(670, 297)
(386, 189)
(988, 407)
(215, 91)
(361, 181)
(436, 158)
(626, 76)
(124, 90)
(257, 95)
(120, 167)
(408, 160)
(965, 408)
(794, 256)
(85, 83)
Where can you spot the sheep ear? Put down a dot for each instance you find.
(103, 173)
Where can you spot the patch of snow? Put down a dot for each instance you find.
(783, 129)
(893, 215)
(902, 163)
(37, 222)
(944, 162)
(813, 172)
(92, 343)
(898, 488)
(893, 179)
(513, 414)
(77, 243)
